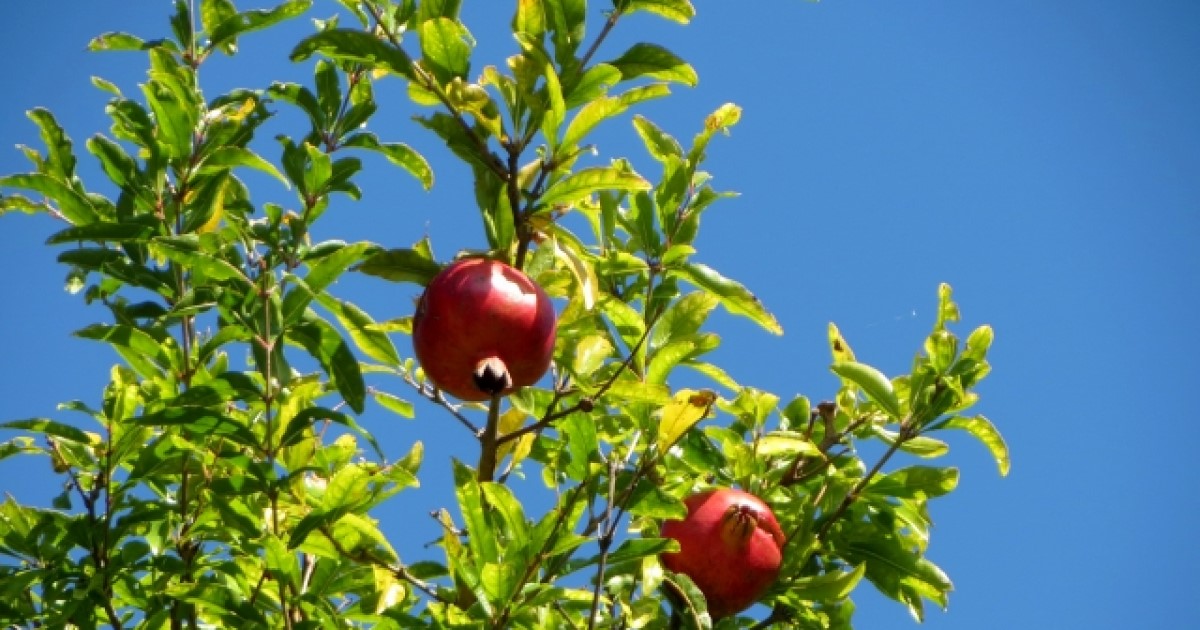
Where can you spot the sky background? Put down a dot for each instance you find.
(1042, 157)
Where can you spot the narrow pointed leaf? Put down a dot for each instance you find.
(356, 46)
(734, 297)
(583, 183)
(986, 432)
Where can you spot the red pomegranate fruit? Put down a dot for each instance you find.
(730, 545)
(483, 328)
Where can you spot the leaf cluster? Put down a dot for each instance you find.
(224, 479)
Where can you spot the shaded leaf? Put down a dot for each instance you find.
(323, 342)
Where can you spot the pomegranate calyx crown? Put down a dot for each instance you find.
(491, 376)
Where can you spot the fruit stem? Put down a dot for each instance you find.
(489, 443)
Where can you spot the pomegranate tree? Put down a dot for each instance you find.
(730, 545)
(483, 328)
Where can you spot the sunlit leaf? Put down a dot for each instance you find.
(733, 296)
(73, 205)
(680, 11)
(872, 382)
(686, 408)
(644, 59)
(588, 181)
(231, 156)
(397, 153)
(355, 46)
(986, 432)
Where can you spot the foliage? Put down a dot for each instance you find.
(207, 491)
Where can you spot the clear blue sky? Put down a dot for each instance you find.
(1042, 157)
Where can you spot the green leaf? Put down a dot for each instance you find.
(401, 265)
(659, 143)
(602, 109)
(484, 543)
(787, 444)
(280, 560)
(117, 165)
(592, 84)
(394, 404)
(636, 391)
(301, 97)
(832, 586)
(581, 269)
(228, 157)
(722, 119)
(530, 18)
(130, 338)
(579, 431)
(922, 445)
(680, 11)
(506, 505)
(683, 318)
(445, 49)
(200, 421)
(355, 46)
(947, 310)
(644, 59)
(629, 550)
(184, 250)
(74, 206)
(986, 432)
(734, 297)
(46, 426)
(115, 41)
(212, 13)
(301, 422)
(906, 482)
(978, 343)
(694, 608)
(347, 489)
(397, 153)
(176, 110)
(102, 233)
(18, 445)
(372, 341)
(60, 161)
(325, 270)
(651, 501)
(233, 26)
(581, 184)
(323, 342)
(872, 382)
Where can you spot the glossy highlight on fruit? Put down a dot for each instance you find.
(731, 546)
(483, 328)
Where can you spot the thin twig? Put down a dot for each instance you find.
(587, 401)
(903, 437)
(490, 159)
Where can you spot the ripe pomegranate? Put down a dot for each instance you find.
(730, 545)
(483, 328)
